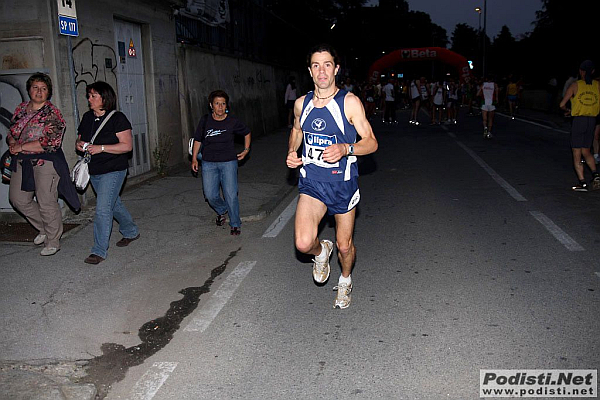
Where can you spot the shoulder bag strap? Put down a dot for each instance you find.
(102, 125)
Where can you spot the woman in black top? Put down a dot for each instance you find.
(216, 133)
(108, 166)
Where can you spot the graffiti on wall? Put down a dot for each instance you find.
(91, 63)
(94, 62)
(13, 92)
(258, 79)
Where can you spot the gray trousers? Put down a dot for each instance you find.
(44, 214)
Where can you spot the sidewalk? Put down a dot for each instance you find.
(263, 184)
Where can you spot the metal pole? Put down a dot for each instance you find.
(479, 37)
(484, 33)
(72, 75)
(74, 94)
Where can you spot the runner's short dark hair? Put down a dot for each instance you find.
(322, 48)
(218, 93)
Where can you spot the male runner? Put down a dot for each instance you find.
(415, 98)
(326, 124)
(489, 93)
(584, 96)
(389, 94)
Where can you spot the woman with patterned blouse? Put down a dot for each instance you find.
(39, 167)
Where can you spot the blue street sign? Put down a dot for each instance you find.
(68, 26)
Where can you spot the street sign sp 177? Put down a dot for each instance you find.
(68, 26)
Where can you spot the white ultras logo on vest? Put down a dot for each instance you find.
(318, 124)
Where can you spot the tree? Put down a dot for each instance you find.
(502, 55)
(361, 34)
(564, 35)
(465, 41)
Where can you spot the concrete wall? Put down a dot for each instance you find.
(255, 90)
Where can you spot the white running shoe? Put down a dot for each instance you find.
(39, 239)
(49, 251)
(343, 297)
(321, 268)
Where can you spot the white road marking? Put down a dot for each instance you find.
(505, 185)
(283, 218)
(152, 380)
(212, 308)
(533, 123)
(558, 233)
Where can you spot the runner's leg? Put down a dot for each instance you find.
(344, 224)
(309, 213)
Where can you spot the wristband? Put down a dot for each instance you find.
(103, 148)
(246, 148)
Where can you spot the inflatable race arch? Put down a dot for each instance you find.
(422, 54)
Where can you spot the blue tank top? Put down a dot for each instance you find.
(322, 127)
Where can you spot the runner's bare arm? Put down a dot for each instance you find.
(355, 113)
(295, 140)
(571, 91)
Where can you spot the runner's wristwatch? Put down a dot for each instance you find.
(350, 149)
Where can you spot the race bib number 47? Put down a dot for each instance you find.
(314, 146)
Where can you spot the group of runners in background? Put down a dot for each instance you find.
(440, 98)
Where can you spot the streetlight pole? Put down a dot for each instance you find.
(479, 38)
(484, 32)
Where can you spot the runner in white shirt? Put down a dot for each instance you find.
(437, 96)
(415, 98)
(488, 92)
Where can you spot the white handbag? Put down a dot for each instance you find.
(80, 175)
(191, 142)
(191, 149)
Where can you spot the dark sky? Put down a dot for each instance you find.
(518, 15)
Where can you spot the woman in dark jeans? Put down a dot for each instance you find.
(108, 167)
(216, 132)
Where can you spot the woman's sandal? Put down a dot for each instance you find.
(221, 219)
(235, 231)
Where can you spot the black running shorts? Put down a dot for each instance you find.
(582, 132)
